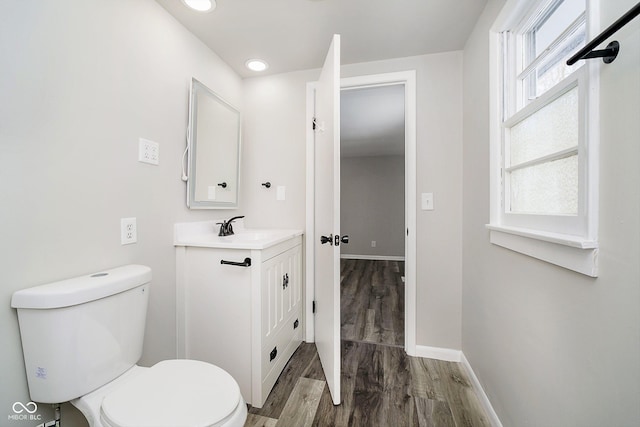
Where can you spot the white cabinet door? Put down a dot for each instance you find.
(281, 290)
(272, 290)
(292, 266)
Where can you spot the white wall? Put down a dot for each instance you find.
(372, 205)
(80, 82)
(274, 138)
(550, 346)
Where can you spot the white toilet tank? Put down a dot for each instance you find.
(81, 333)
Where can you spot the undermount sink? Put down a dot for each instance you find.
(205, 234)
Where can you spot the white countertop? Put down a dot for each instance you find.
(205, 234)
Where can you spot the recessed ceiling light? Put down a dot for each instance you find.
(256, 65)
(201, 5)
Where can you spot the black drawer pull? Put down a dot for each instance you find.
(245, 263)
(273, 354)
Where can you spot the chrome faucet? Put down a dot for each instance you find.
(226, 229)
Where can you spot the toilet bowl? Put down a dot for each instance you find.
(92, 328)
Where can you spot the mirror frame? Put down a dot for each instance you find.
(197, 90)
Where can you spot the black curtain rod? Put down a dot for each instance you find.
(611, 51)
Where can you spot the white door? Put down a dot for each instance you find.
(327, 218)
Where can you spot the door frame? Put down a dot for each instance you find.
(408, 79)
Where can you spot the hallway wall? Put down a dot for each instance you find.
(372, 205)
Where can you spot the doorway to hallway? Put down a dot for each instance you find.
(372, 213)
(407, 203)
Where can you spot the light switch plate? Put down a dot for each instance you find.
(281, 192)
(427, 201)
(211, 192)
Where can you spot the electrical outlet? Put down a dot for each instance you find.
(373, 243)
(148, 152)
(128, 231)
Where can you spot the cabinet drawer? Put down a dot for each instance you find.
(278, 352)
(287, 328)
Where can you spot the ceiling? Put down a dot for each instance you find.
(295, 34)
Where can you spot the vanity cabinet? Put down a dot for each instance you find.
(246, 319)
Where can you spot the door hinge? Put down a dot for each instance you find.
(313, 308)
(317, 126)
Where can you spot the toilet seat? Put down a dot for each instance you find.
(174, 393)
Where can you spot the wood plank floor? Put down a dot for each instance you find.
(372, 301)
(381, 385)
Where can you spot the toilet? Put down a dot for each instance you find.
(81, 340)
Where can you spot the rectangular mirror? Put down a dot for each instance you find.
(214, 150)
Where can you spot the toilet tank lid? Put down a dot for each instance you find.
(82, 289)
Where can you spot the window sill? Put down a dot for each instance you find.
(566, 251)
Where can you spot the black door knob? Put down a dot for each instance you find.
(344, 239)
(327, 239)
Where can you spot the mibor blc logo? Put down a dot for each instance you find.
(24, 411)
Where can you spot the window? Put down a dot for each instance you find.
(544, 185)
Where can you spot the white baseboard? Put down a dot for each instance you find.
(373, 257)
(482, 396)
(446, 354)
(450, 355)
